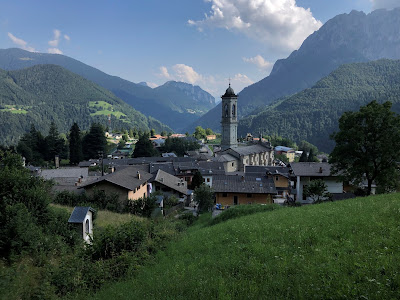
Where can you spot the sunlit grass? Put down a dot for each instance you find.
(338, 250)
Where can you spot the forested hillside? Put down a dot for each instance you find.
(346, 38)
(45, 93)
(313, 114)
(177, 103)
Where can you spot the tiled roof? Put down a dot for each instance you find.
(263, 170)
(243, 184)
(247, 150)
(225, 158)
(64, 173)
(126, 177)
(79, 213)
(311, 169)
(171, 181)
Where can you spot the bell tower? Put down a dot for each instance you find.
(229, 119)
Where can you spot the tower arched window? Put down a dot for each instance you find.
(233, 110)
(226, 110)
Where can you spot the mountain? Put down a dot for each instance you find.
(347, 38)
(171, 104)
(45, 93)
(313, 114)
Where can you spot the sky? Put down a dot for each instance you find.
(202, 42)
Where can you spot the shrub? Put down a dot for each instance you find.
(242, 210)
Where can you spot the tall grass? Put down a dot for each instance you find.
(340, 250)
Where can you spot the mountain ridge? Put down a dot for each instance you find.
(141, 97)
(346, 38)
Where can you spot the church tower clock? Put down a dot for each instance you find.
(229, 120)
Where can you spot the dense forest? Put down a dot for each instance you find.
(45, 93)
(313, 114)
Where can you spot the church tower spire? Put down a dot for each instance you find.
(229, 119)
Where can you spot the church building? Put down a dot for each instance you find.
(235, 156)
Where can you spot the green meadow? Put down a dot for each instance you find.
(16, 109)
(104, 108)
(338, 250)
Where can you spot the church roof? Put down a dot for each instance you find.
(229, 92)
(253, 149)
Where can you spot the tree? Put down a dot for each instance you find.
(199, 133)
(75, 145)
(163, 133)
(144, 147)
(179, 145)
(197, 180)
(311, 156)
(152, 132)
(303, 157)
(317, 190)
(368, 146)
(204, 196)
(94, 142)
(209, 131)
(54, 143)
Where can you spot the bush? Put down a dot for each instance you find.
(242, 210)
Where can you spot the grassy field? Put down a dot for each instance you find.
(104, 108)
(16, 109)
(337, 250)
(105, 217)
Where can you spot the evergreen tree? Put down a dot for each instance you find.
(144, 147)
(311, 156)
(94, 142)
(303, 157)
(197, 180)
(75, 145)
(54, 144)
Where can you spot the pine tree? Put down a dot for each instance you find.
(311, 156)
(94, 142)
(54, 144)
(75, 145)
(144, 147)
(303, 157)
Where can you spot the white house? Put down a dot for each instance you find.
(305, 172)
(82, 218)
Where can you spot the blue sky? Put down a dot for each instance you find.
(203, 42)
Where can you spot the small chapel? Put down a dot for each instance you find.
(235, 156)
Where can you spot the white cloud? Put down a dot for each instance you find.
(281, 24)
(260, 62)
(388, 4)
(186, 74)
(67, 38)
(54, 51)
(164, 73)
(56, 38)
(215, 85)
(21, 43)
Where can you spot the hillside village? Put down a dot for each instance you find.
(111, 189)
(237, 173)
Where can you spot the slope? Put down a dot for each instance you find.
(43, 93)
(346, 38)
(337, 250)
(159, 103)
(313, 114)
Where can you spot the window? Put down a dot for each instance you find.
(224, 194)
(233, 164)
(233, 110)
(87, 226)
(276, 178)
(249, 195)
(226, 110)
(208, 180)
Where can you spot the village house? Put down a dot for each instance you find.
(169, 185)
(243, 189)
(305, 172)
(281, 177)
(288, 152)
(129, 182)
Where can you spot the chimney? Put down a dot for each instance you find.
(320, 169)
(138, 174)
(243, 178)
